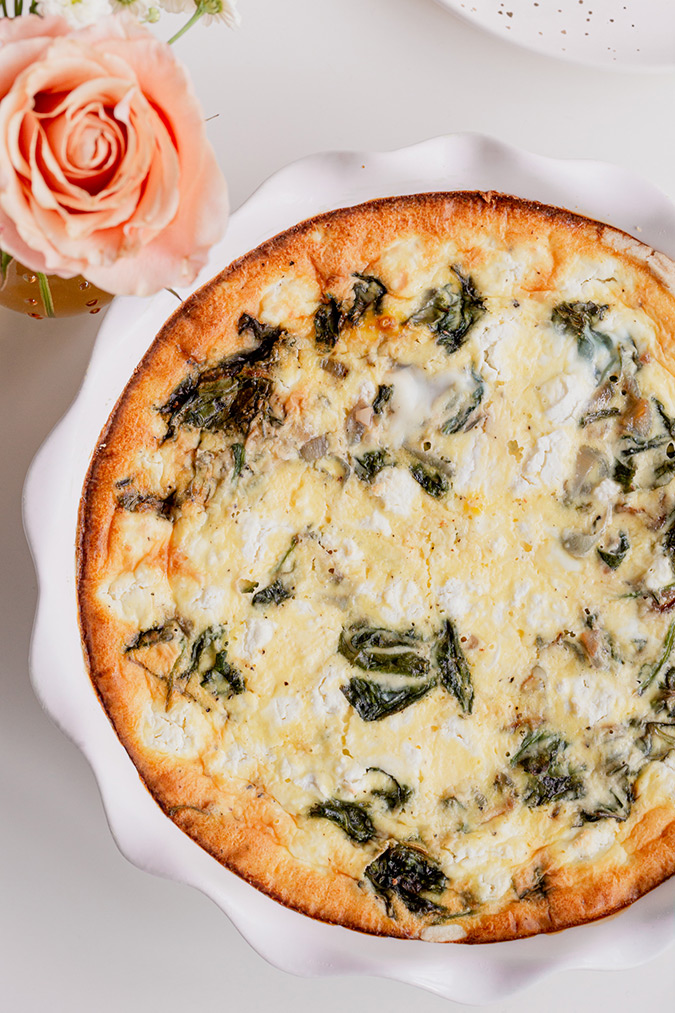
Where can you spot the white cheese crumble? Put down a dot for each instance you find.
(284, 708)
(327, 697)
(171, 731)
(255, 532)
(544, 466)
(403, 602)
(589, 697)
(259, 632)
(376, 521)
(398, 490)
(471, 466)
(659, 574)
(455, 597)
(565, 395)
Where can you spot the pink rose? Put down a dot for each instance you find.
(105, 169)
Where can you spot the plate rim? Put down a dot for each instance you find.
(477, 974)
(620, 66)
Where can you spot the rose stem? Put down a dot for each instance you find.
(46, 294)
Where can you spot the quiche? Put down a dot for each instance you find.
(376, 568)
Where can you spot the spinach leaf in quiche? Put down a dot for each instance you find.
(658, 739)
(649, 673)
(275, 593)
(579, 320)
(451, 311)
(238, 459)
(624, 474)
(614, 558)
(330, 317)
(351, 817)
(464, 409)
(327, 323)
(229, 396)
(370, 464)
(138, 502)
(453, 666)
(375, 649)
(223, 680)
(407, 873)
(434, 483)
(382, 398)
(153, 636)
(664, 700)
(394, 795)
(373, 700)
(549, 780)
(616, 806)
(368, 294)
(208, 659)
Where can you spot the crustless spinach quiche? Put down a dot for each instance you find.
(377, 568)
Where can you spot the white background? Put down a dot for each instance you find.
(80, 928)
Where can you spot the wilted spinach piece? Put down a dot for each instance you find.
(649, 673)
(238, 458)
(538, 750)
(395, 796)
(624, 473)
(669, 541)
(374, 700)
(274, 594)
(615, 559)
(382, 398)
(636, 445)
(138, 502)
(368, 294)
(371, 464)
(549, 780)
(553, 786)
(223, 397)
(208, 659)
(434, 483)
(579, 320)
(406, 873)
(601, 413)
(454, 668)
(658, 739)
(151, 637)
(665, 698)
(461, 420)
(450, 312)
(351, 817)
(330, 317)
(668, 423)
(380, 650)
(616, 807)
(327, 323)
(223, 680)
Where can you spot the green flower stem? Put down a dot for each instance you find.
(5, 260)
(200, 10)
(46, 294)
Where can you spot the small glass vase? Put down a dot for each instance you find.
(20, 291)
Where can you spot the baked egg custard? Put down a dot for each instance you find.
(376, 568)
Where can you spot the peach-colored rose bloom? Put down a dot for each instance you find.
(105, 169)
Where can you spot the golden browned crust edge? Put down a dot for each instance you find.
(246, 843)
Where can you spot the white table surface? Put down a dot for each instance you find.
(80, 928)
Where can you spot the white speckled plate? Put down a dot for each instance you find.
(474, 974)
(624, 34)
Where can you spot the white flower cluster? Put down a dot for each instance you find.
(79, 13)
